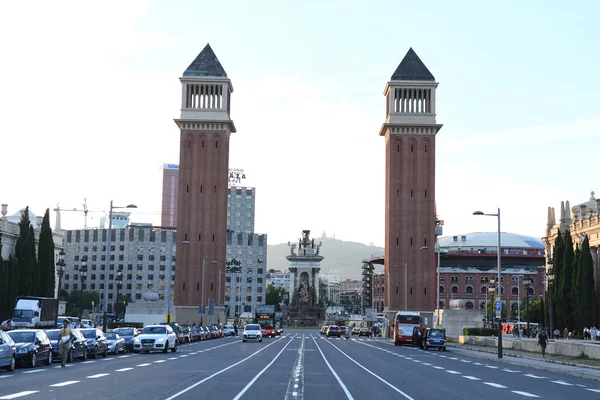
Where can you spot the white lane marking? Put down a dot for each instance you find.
(35, 371)
(453, 358)
(426, 364)
(534, 376)
(438, 367)
(123, 369)
(172, 358)
(496, 385)
(526, 394)
(88, 362)
(465, 361)
(491, 366)
(96, 376)
(477, 363)
(221, 371)
(6, 376)
(509, 370)
(143, 365)
(66, 383)
(20, 394)
(160, 361)
(580, 385)
(453, 372)
(129, 355)
(375, 375)
(594, 390)
(337, 377)
(562, 383)
(471, 378)
(183, 356)
(245, 389)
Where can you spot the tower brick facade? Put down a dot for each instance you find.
(205, 128)
(409, 130)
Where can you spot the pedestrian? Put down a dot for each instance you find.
(566, 333)
(235, 329)
(542, 342)
(556, 333)
(65, 336)
(9, 325)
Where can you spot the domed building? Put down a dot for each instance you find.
(468, 265)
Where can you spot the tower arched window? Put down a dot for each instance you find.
(455, 289)
(514, 290)
(469, 290)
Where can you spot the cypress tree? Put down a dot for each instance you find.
(14, 277)
(576, 294)
(46, 258)
(557, 257)
(23, 253)
(566, 287)
(4, 301)
(588, 295)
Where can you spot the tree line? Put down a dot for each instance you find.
(574, 298)
(26, 273)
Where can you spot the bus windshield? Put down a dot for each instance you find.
(408, 319)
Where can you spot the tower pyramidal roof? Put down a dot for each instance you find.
(206, 64)
(412, 69)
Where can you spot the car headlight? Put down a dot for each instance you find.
(24, 350)
(162, 339)
(136, 340)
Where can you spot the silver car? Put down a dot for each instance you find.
(116, 344)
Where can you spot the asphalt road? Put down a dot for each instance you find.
(299, 365)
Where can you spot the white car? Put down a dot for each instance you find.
(155, 338)
(252, 332)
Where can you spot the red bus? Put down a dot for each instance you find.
(404, 324)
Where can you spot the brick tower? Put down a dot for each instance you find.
(410, 215)
(205, 128)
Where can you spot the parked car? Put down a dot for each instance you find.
(96, 342)
(356, 330)
(205, 333)
(434, 338)
(78, 345)
(364, 331)
(32, 345)
(116, 344)
(187, 334)
(156, 338)
(128, 334)
(8, 352)
(177, 329)
(252, 332)
(218, 329)
(228, 330)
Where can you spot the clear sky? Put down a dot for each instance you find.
(89, 91)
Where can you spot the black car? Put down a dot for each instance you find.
(32, 346)
(78, 345)
(96, 342)
(128, 334)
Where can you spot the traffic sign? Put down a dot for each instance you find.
(498, 308)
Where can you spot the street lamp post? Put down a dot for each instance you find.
(83, 276)
(527, 281)
(119, 282)
(107, 269)
(499, 280)
(60, 271)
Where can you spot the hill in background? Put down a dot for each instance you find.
(345, 257)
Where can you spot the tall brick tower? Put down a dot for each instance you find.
(205, 128)
(410, 214)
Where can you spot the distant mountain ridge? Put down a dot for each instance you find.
(341, 256)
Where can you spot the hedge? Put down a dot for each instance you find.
(115, 325)
(480, 331)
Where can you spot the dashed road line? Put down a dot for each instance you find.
(525, 394)
(35, 371)
(438, 367)
(123, 369)
(473, 378)
(160, 361)
(96, 376)
(66, 383)
(143, 365)
(20, 394)
(562, 383)
(509, 370)
(534, 376)
(452, 372)
(88, 362)
(491, 366)
(297, 377)
(496, 385)
(594, 390)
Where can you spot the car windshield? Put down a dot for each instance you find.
(436, 333)
(52, 335)
(153, 330)
(22, 337)
(89, 334)
(253, 327)
(111, 336)
(124, 332)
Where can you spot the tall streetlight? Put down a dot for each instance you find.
(498, 299)
(83, 276)
(437, 306)
(527, 281)
(119, 282)
(108, 244)
(60, 271)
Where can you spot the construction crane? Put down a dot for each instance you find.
(84, 211)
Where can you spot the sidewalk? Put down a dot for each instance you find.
(576, 366)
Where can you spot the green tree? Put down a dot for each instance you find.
(276, 295)
(566, 280)
(558, 259)
(576, 291)
(4, 300)
(46, 258)
(25, 254)
(14, 277)
(589, 299)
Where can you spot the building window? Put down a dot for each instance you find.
(483, 290)
(514, 291)
(441, 289)
(455, 289)
(469, 290)
(454, 279)
(469, 279)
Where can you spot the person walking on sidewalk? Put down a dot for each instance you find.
(542, 342)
